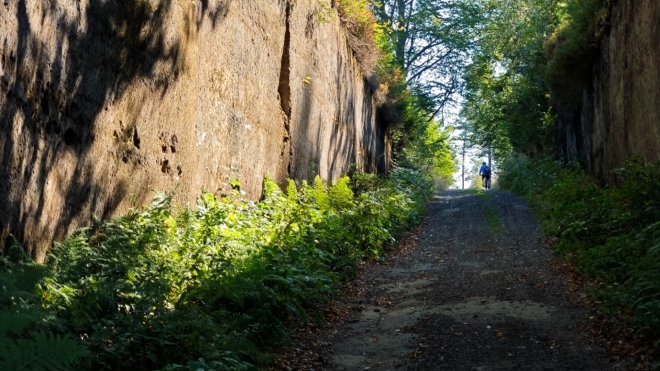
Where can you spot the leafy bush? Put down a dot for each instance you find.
(611, 233)
(167, 287)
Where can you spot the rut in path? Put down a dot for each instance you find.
(479, 293)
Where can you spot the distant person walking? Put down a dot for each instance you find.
(484, 171)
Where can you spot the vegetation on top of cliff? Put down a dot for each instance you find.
(413, 51)
(507, 104)
(362, 31)
(573, 47)
(406, 107)
(429, 42)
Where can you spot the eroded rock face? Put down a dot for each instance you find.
(104, 101)
(619, 116)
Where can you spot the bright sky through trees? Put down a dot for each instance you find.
(482, 65)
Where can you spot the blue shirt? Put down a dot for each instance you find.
(482, 170)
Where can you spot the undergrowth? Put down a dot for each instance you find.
(612, 234)
(169, 287)
(30, 337)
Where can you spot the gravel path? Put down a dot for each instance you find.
(478, 293)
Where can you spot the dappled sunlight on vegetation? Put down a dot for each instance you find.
(173, 287)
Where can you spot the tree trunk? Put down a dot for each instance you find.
(463, 163)
(401, 33)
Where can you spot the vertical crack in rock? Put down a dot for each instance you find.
(284, 93)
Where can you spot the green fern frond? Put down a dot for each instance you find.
(14, 324)
(320, 194)
(341, 195)
(42, 352)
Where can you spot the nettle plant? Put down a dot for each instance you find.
(169, 287)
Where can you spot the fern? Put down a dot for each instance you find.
(320, 194)
(42, 351)
(24, 348)
(165, 285)
(341, 195)
(13, 324)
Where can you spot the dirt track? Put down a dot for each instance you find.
(479, 292)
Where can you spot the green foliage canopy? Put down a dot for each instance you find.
(507, 103)
(429, 41)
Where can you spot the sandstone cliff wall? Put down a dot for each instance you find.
(103, 101)
(619, 115)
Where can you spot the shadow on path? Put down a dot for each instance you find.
(469, 297)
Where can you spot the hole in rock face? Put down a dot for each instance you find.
(173, 143)
(163, 142)
(45, 106)
(179, 171)
(71, 137)
(165, 167)
(136, 139)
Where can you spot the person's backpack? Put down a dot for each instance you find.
(487, 170)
